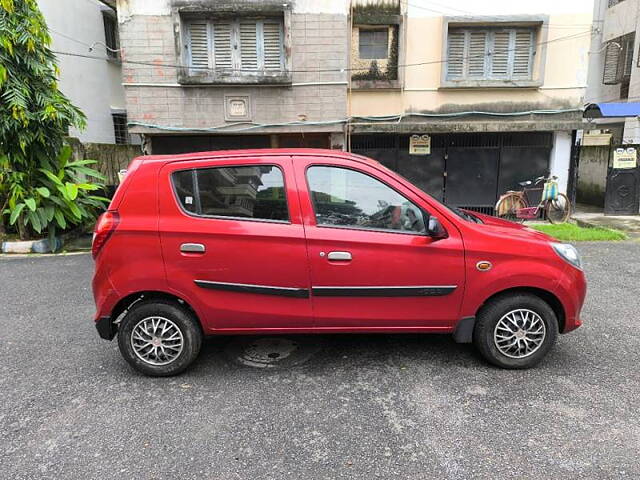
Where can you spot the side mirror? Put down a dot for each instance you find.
(435, 229)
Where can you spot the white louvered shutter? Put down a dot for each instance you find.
(272, 36)
(222, 46)
(199, 46)
(455, 54)
(476, 54)
(523, 54)
(500, 52)
(248, 46)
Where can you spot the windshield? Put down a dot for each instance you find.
(468, 216)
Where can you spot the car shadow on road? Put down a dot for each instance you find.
(280, 352)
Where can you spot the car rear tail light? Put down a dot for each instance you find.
(105, 226)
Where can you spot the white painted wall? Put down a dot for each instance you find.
(428, 8)
(560, 158)
(129, 8)
(95, 86)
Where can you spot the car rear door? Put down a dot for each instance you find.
(372, 264)
(233, 241)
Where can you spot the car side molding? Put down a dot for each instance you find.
(259, 289)
(402, 291)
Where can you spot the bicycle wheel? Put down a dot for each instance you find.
(508, 206)
(558, 210)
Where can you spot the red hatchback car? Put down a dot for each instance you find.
(316, 241)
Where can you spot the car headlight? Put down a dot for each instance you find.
(568, 253)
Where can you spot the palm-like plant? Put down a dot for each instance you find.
(34, 119)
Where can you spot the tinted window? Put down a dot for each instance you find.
(183, 184)
(348, 198)
(245, 192)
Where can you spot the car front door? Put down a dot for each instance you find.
(372, 263)
(233, 242)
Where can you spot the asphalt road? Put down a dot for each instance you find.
(356, 407)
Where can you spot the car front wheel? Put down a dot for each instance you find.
(159, 338)
(515, 331)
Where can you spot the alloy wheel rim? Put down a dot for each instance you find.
(157, 340)
(519, 333)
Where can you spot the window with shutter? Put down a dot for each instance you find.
(272, 37)
(248, 46)
(222, 46)
(490, 53)
(500, 52)
(612, 63)
(455, 54)
(522, 54)
(477, 54)
(199, 45)
(236, 47)
(628, 54)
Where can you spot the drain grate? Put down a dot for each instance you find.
(271, 352)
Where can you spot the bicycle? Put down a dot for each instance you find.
(515, 205)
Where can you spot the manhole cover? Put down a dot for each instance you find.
(270, 352)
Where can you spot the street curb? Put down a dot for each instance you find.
(583, 224)
(631, 235)
(42, 255)
(30, 246)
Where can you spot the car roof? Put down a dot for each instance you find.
(262, 152)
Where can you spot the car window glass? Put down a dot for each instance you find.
(255, 192)
(347, 198)
(183, 184)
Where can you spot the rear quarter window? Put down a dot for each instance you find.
(255, 192)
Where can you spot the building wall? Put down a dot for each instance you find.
(592, 175)
(319, 38)
(610, 23)
(93, 85)
(564, 69)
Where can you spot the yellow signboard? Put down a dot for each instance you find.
(419, 145)
(625, 158)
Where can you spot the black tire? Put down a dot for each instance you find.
(558, 210)
(182, 318)
(508, 207)
(492, 312)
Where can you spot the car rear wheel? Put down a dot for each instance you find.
(515, 331)
(159, 338)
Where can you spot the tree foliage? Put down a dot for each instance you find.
(34, 119)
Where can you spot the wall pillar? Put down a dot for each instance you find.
(561, 158)
(631, 131)
(337, 141)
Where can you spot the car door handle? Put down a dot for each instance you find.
(192, 248)
(339, 256)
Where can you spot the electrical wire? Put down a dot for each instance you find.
(63, 35)
(469, 12)
(336, 70)
(382, 118)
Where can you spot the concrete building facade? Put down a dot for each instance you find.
(614, 70)
(206, 75)
(497, 87)
(463, 99)
(90, 73)
(612, 129)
